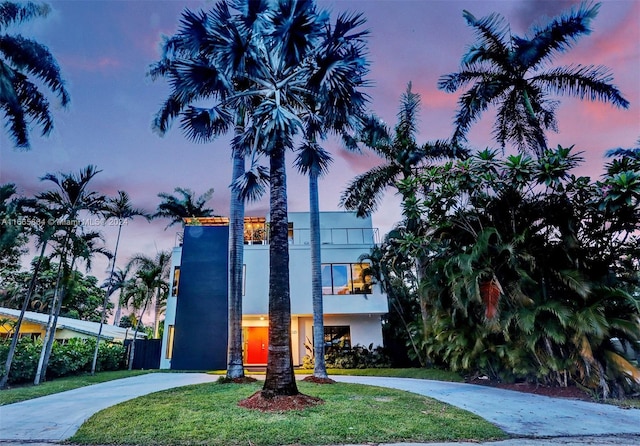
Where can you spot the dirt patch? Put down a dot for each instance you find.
(572, 392)
(313, 379)
(279, 403)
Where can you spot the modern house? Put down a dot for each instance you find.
(196, 327)
(34, 325)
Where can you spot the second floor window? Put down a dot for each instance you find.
(176, 281)
(345, 278)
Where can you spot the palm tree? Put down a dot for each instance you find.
(157, 269)
(314, 161)
(70, 197)
(117, 281)
(402, 153)
(205, 124)
(183, 205)
(120, 210)
(42, 234)
(138, 293)
(267, 58)
(12, 232)
(513, 74)
(404, 156)
(26, 66)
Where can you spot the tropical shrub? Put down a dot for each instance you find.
(356, 357)
(69, 358)
(25, 360)
(532, 271)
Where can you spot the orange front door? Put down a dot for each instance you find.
(257, 345)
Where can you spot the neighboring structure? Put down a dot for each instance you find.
(195, 335)
(34, 325)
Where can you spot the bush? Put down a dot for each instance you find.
(111, 356)
(25, 359)
(72, 357)
(357, 357)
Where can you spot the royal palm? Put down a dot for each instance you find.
(514, 74)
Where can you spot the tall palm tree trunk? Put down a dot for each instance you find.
(280, 379)
(41, 374)
(51, 327)
(16, 328)
(319, 368)
(235, 366)
(105, 303)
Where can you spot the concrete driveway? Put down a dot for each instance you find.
(519, 414)
(57, 417)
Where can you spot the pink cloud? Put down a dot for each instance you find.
(103, 64)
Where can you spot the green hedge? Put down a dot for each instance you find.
(72, 357)
(357, 357)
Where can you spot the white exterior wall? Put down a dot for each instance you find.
(170, 311)
(365, 329)
(344, 239)
(338, 226)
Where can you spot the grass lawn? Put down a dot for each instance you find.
(208, 414)
(435, 374)
(27, 392)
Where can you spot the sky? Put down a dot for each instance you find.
(104, 49)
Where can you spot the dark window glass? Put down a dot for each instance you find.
(337, 337)
(345, 278)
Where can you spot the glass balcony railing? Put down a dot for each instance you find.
(328, 236)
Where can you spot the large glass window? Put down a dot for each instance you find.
(345, 278)
(337, 337)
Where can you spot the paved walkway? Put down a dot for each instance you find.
(544, 420)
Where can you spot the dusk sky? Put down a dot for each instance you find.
(104, 49)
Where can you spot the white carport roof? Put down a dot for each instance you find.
(109, 332)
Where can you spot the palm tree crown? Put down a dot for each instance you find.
(183, 205)
(512, 73)
(399, 148)
(21, 99)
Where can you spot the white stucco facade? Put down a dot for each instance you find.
(351, 305)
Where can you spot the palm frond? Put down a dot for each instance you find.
(252, 184)
(34, 58)
(491, 32)
(312, 157)
(171, 108)
(584, 81)
(16, 13)
(624, 366)
(364, 193)
(557, 36)
(205, 124)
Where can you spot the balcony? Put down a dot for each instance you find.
(328, 236)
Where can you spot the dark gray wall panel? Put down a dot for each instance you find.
(201, 333)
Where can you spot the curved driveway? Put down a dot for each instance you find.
(57, 417)
(519, 414)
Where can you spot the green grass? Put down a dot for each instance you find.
(435, 374)
(418, 373)
(27, 392)
(208, 414)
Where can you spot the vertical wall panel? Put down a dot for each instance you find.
(200, 339)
